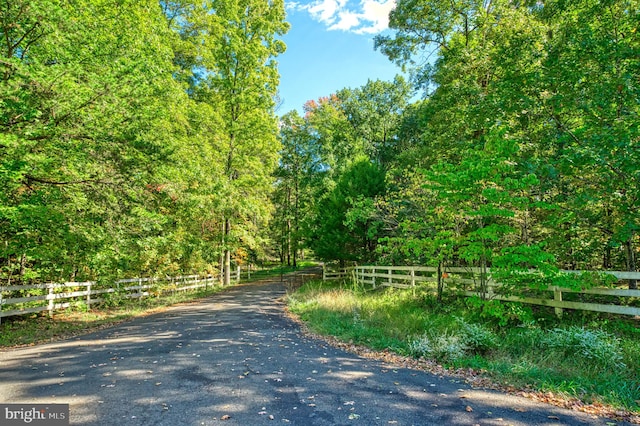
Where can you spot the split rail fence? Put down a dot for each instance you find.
(465, 281)
(26, 299)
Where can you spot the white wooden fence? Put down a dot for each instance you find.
(25, 299)
(466, 281)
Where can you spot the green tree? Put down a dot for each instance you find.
(242, 82)
(374, 112)
(346, 227)
(561, 79)
(85, 91)
(295, 178)
(227, 57)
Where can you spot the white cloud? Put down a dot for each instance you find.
(325, 11)
(377, 13)
(346, 21)
(367, 17)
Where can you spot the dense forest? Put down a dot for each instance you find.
(523, 152)
(137, 137)
(140, 137)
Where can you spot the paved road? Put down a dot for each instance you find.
(235, 359)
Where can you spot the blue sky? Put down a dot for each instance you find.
(330, 47)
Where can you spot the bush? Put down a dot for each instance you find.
(441, 347)
(477, 337)
(594, 345)
(452, 345)
(509, 313)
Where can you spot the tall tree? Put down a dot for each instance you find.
(241, 81)
(85, 88)
(295, 179)
(560, 78)
(345, 224)
(374, 112)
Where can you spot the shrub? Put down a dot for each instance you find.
(452, 345)
(477, 337)
(595, 345)
(442, 347)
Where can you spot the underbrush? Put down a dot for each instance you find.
(587, 356)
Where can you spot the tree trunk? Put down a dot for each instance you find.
(227, 254)
(222, 248)
(227, 267)
(440, 282)
(296, 222)
(23, 265)
(288, 242)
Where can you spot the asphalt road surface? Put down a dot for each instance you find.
(236, 359)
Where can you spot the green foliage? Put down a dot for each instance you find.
(109, 147)
(504, 314)
(528, 166)
(445, 347)
(346, 226)
(454, 344)
(596, 346)
(592, 362)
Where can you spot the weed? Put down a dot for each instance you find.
(452, 345)
(597, 346)
(585, 357)
(445, 347)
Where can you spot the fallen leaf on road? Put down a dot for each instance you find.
(354, 416)
(225, 417)
(469, 409)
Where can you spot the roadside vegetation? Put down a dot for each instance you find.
(593, 358)
(38, 328)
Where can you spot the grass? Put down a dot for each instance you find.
(593, 358)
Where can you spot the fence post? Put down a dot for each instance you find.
(324, 272)
(89, 295)
(249, 273)
(373, 272)
(390, 279)
(1, 302)
(238, 276)
(50, 297)
(413, 277)
(557, 296)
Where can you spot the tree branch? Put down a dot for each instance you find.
(30, 179)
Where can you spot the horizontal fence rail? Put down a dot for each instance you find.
(26, 299)
(466, 281)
